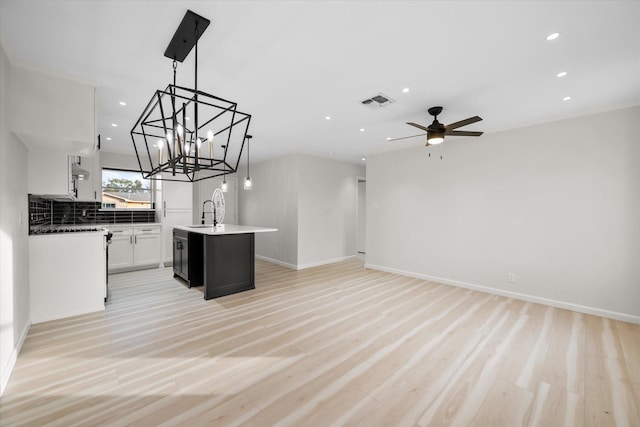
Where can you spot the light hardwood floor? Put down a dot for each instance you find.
(329, 346)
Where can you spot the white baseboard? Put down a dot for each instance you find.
(515, 295)
(303, 266)
(325, 262)
(277, 262)
(47, 318)
(6, 371)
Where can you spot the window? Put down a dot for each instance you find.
(122, 189)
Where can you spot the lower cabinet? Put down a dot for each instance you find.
(171, 217)
(188, 257)
(181, 254)
(134, 247)
(121, 248)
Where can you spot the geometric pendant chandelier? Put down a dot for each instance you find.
(186, 134)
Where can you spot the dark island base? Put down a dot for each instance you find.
(229, 264)
(224, 264)
(187, 257)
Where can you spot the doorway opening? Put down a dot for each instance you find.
(361, 223)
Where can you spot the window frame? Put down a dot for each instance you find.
(150, 189)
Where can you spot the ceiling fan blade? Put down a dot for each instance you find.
(405, 137)
(462, 133)
(418, 126)
(464, 122)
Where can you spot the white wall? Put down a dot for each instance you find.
(312, 202)
(203, 190)
(14, 268)
(273, 202)
(558, 205)
(327, 201)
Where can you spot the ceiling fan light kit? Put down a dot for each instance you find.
(436, 131)
(174, 137)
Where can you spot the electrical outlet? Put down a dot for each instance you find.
(511, 278)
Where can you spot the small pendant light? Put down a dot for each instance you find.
(224, 187)
(247, 179)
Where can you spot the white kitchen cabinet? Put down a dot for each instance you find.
(121, 248)
(147, 242)
(67, 275)
(177, 195)
(90, 189)
(134, 247)
(50, 173)
(52, 113)
(177, 209)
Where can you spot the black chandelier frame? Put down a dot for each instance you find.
(188, 157)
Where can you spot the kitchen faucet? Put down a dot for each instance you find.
(215, 220)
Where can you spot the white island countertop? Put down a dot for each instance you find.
(223, 229)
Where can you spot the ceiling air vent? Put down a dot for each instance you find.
(378, 101)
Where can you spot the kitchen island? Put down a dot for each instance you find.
(222, 257)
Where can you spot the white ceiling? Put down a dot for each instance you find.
(291, 63)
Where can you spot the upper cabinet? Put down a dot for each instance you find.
(177, 195)
(52, 113)
(89, 188)
(54, 173)
(50, 174)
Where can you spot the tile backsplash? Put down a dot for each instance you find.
(51, 213)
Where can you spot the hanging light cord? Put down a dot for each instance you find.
(196, 91)
(175, 67)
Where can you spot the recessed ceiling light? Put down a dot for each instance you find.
(566, 98)
(114, 125)
(361, 129)
(108, 138)
(327, 118)
(388, 138)
(553, 36)
(405, 90)
(364, 159)
(187, 118)
(122, 103)
(561, 74)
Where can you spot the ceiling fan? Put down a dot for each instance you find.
(436, 131)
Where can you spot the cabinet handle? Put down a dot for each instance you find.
(131, 240)
(135, 239)
(117, 231)
(147, 229)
